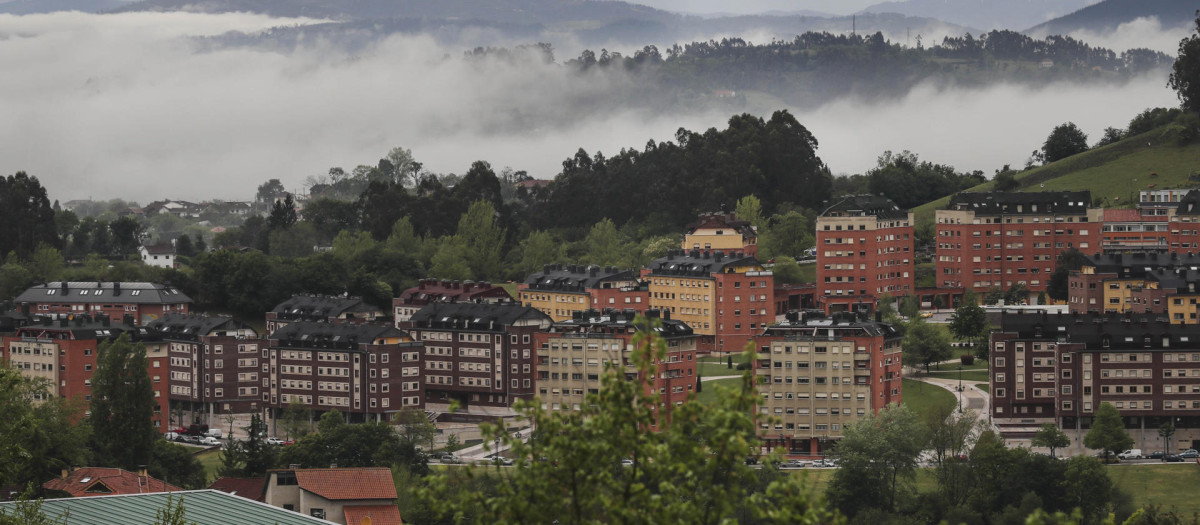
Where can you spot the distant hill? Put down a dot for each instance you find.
(983, 14)
(1107, 15)
(1112, 173)
(29, 7)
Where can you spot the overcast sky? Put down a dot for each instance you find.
(122, 106)
(835, 7)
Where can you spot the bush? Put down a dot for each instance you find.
(967, 359)
(743, 366)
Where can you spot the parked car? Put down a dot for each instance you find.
(171, 436)
(627, 462)
(274, 441)
(451, 459)
(1189, 454)
(215, 432)
(210, 441)
(1134, 453)
(1171, 458)
(1157, 454)
(794, 463)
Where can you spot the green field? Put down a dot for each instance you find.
(708, 396)
(1109, 171)
(717, 367)
(922, 397)
(211, 460)
(984, 386)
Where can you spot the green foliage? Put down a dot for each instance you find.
(1069, 260)
(1065, 140)
(1051, 437)
(173, 514)
(691, 471)
(29, 512)
(910, 306)
(537, 250)
(36, 441)
(1185, 73)
(1088, 486)
(1167, 432)
(787, 271)
(605, 246)
(1108, 431)
(26, 219)
(1151, 119)
(296, 419)
(1111, 136)
(1005, 181)
(969, 321)
(789, 234)
(353, 445)
(414, 428)
(878, 461)
(909, 182)
(251, 457)
(122, 405)
(176, 465)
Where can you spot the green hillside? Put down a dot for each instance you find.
(1113, 173)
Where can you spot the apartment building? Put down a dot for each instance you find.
(323, 308)
(726, 299)
(864, 251)
(1059, 368)
(1135, 231)
(65, 353)
(573, 355)
(482, 356)
(434, 291)
(561, 290)
(207, 366)
(367, 371)
(817, 374)
(142, 302)
(1001, 239)
(1136, 282)
(721, 231)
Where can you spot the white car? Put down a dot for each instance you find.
(210, 441)
(274, 441)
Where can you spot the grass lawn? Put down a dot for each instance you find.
(708, 396)
(808, 273)
(211, 459)
(922, 397)
(984, 386)
(714, 369)
(1169, 485)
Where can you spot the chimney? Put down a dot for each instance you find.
(593, 270)
(666, 314)
(65, 289)
(105, 321)
(142, 471)
(116, 288)
(65, 472)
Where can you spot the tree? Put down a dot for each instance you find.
(296, 420)
(924, 344)
(1111, 136)
(1108, 431)
(482, 239)
(374, 444)
(787, 271)
(1167, 433)
(414, 427)
(283, 214)
(605, 246)
(949, 432)
(1065, 140)
(969, 320)
(571, 471)
(251, 457)
(1017, 294)
(1185, 73)
(1051, 437)
(269, 191)
(1069, 260)
(26, 218)
(878, 460)
(126, 236)
(749, 209)
(173, 514)
(39, 433)
(177, 465)
(910, 306)
(1005, 180)
(1088, 485)
(122, 408)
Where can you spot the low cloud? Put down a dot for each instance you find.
(1140, 33)
(126, 106)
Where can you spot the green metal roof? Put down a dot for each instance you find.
(204, 507)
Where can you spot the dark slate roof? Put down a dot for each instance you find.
(433, 290)
(476, 316)
(609, 318)
(317, 307)
(1140, 264)
(723, 220)
(1189, 204)
(1179, 280)
(817, 325)
(203, 507)
(84, 327)
(1029, 203)
(575, 278)
(698, 264)
(190, 326)
(109, 292)
(1095, 330)
(333, 335)
(865, 206)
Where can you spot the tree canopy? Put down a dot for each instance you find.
(122, 408)
(1065, 140)
(1185, 72)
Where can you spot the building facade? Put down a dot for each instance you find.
(1001, 239)
(322, 308)
(818, 374)
(434, 291)
(137, 302)
(1161, 283)
(561, 290)
(721, 231)
(864, 251)
(726, 299)
(209, 367)
(482, 356)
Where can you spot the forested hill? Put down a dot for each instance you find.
(984, 14)
(1107, 15)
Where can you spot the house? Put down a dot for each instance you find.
(340, 495)
(721, 231)
(159, 255)
(864, 251)
(203, 507)
(103, 481)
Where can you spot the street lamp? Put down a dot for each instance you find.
(960, 390)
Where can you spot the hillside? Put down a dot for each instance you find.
(1112, 173)
(1107, 15)
(984, 14)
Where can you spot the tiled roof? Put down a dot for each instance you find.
(432, 290)
(202, 507)
(160, 249)
(249, 488)
(96, 481)
(103, 292)
(379, 514)
(608, 319)
(348, 483)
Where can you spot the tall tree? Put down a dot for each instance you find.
(1065, 140)
(283, 214)
(878, 460)
(925, 344)
(482, 238)
(269, 191)
(605, 245)
(1185, 73)
(1167, 433)
(969, 320)
(1068, 261)
(1108, 431)
(122, 407)
(414, 427)
(26, 218)
(1051, 437)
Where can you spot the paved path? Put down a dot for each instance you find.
(971, 397)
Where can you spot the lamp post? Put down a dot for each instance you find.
(960, 390)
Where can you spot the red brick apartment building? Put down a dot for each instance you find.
(573, 355)
(208, 369)
(726, 299)
(818, 374)
(64, 352)
(1132, 282)
(142, 302)
(1000, 239)
(864, 251)
(434, 291)
(483, 356)
(1059, 368)
(366, 371)
(561, 290)
(322, 308)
